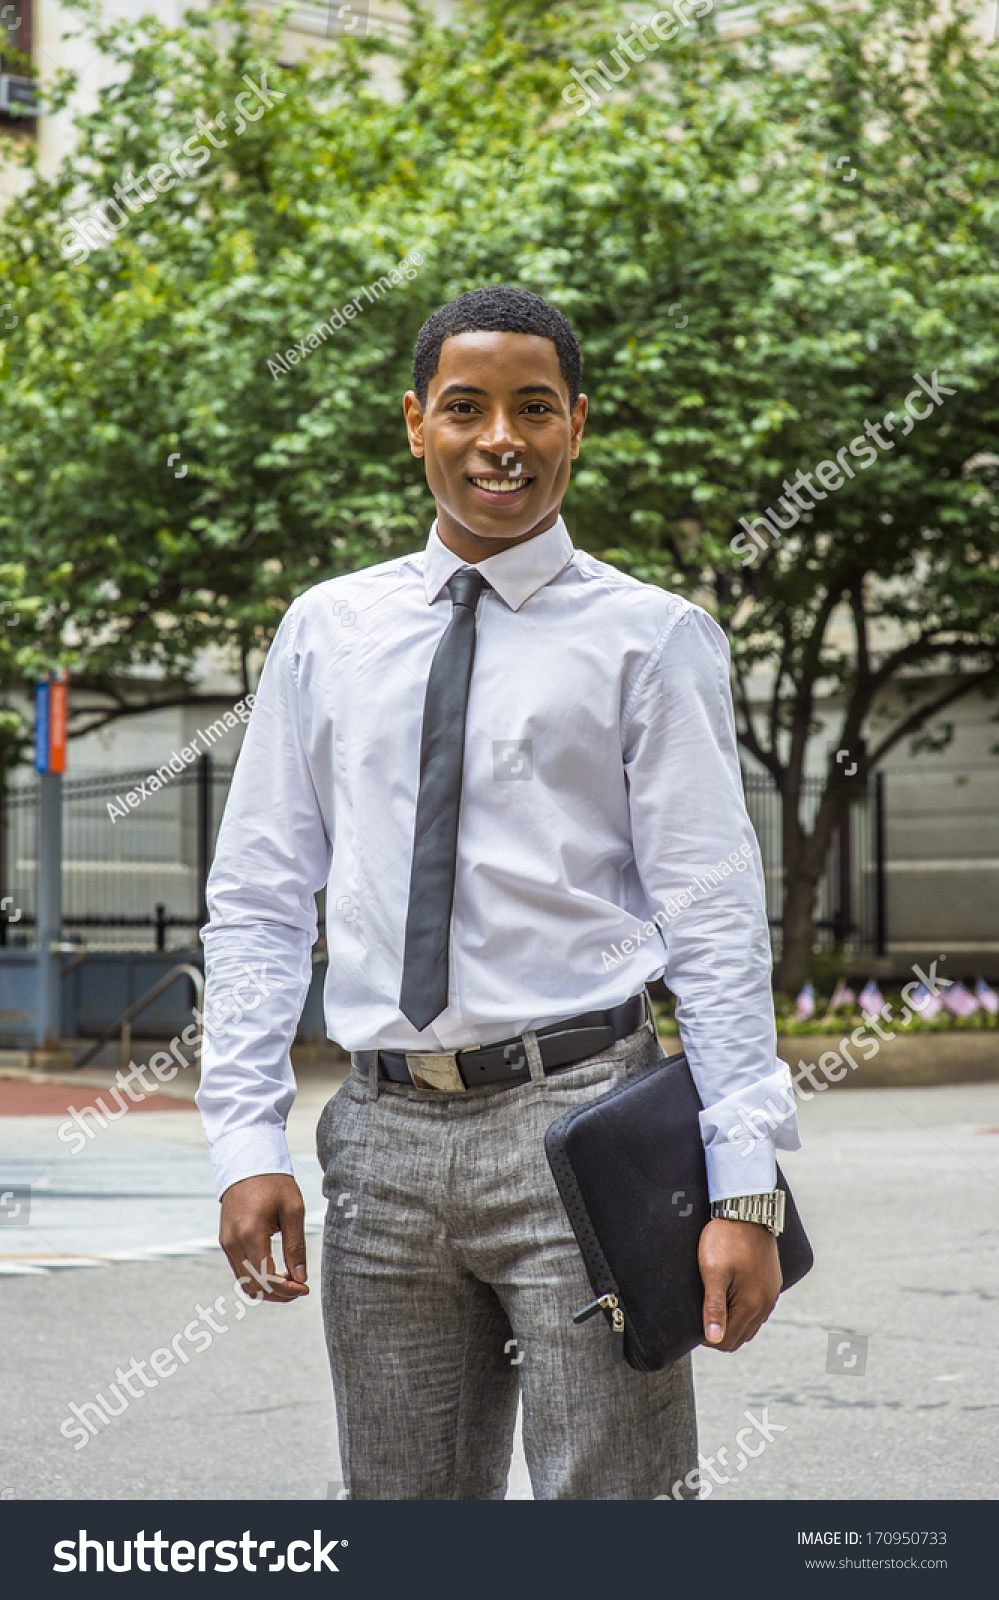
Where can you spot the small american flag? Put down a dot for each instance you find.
(870, 999)
(805, 1004)
(926, 1004)
(842, 995)
(987, 998)
(960, 1002)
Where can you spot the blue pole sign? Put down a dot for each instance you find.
(41, 727)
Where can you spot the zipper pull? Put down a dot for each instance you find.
(610, 1306)
(603, 1302)
(617, 1332)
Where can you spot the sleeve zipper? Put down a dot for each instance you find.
(614, 1312)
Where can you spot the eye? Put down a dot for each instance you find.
(537, 408)
(468, 408)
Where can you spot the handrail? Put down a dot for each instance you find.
(124, 1022)
(80, 954)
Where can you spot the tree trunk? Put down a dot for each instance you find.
(795, 964)
(805, 858)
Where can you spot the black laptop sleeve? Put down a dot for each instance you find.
(630, 1169)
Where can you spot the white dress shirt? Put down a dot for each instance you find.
(603, 840)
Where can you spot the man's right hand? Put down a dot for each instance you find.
(253, 1211)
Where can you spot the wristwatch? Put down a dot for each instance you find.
(765, 1208)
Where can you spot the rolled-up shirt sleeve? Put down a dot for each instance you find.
(273, 854)
(699, 862)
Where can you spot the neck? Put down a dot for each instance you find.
(472, 547)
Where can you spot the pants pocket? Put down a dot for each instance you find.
(329, 1126)
(594, 1076)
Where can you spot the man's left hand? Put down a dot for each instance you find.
(740, 1269)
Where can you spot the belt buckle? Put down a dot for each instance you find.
(435, 1070)
(650, 1016)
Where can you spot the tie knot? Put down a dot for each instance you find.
(465, 588)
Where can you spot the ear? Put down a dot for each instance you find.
(413, 412)
(576, 424)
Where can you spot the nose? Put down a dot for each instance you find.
(500, 437)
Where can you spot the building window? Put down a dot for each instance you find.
(18, 101)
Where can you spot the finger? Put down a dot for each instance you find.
(255, 1251)
(715, 1307)
(248, 1287)
(744, 1327)
(293, 1241)
(232, 1247)
(234, 1257)
(257, 1260)
(745, 1312)
(743, 1307)
(276, 1285)
(746, 1317)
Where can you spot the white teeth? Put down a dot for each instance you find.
(495, 486)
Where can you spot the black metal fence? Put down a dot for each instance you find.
(135, 880)
(133, 876)
(850, 908)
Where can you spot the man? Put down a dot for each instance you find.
(506, 762)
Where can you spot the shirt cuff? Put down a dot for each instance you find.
(742, 1131)
(729, 1174)
(248, 1153)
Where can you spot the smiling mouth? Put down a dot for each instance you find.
(500, 485)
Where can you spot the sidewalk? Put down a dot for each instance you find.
(139, 1188)
(896, 1187)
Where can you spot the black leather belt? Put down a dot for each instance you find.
(562, 1045)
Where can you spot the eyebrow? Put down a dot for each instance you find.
(470, 388)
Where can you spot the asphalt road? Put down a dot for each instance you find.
(898, 1190)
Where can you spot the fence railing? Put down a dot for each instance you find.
(133, 881)
(850, 905)
(136, 882)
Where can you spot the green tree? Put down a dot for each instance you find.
(743, 302)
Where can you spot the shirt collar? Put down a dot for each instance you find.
(515, 574)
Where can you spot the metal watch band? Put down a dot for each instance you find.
(767, 1209)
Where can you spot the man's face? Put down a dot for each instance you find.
(497, 435)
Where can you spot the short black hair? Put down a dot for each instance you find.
(501, 308)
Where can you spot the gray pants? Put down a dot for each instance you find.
(450, 1275)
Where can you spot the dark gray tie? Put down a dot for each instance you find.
(442, 753)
